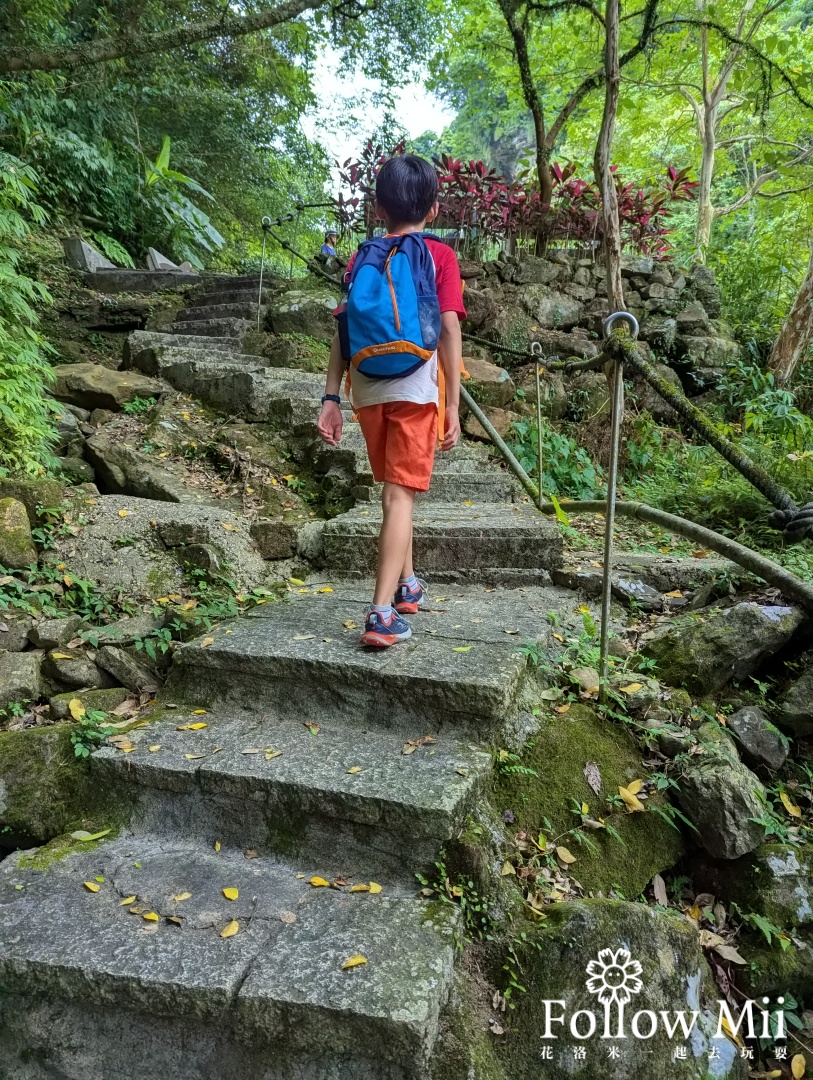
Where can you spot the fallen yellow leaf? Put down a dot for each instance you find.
(635, 786)
(62, 656)
(790, 806)
(123, 513)
(633, 688)
(326, 588)
(318, 882)
(152, 749)
(76, 708)
(91, 886)
(217, 845)
(127, 901)
(462, 648)
(182, 896)
(359, 888)
(631, 801)
(798, 1066)
(193, 757)
(374, 888)
(354, 769)
(231, 929)
(565, 856)
(354, 961)
(231, 894)
(207, 641)
(151, 916)
(198, 712)
(727, 1028)
(508, 869)
(674, 594)
(296, 581)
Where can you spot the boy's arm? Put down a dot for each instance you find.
(330, 418)
(450, 354)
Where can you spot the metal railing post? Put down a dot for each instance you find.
(536, 350)
(612, 494)
(266, 224)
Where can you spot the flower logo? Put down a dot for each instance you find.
(614, 977)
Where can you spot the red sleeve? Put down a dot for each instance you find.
(447, 279)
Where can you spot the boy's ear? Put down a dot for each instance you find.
(433, 213)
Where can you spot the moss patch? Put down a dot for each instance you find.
(558, 753)
(44, 789)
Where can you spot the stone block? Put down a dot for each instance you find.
(82, 256)
(16, 543)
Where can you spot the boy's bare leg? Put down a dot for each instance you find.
(408, 569)
(394, 541)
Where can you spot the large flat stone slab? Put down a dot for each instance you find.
(138, 281)
(241, 309)
(451, 537)
(142, 340)
(461, 671)
(346, 797)
(276, 987)
(228, 328)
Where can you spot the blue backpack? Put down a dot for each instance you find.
(390, 322)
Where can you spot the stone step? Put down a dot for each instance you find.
(228, 328)
(142, 340)
(450, 536)
(171, 357)
(243, 294)
(91, 989)
(224, 310)
(387, 819)
(460, 672)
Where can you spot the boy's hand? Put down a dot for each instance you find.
(451, 433)
(330, 423)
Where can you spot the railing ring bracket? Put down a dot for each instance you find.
(623, 316)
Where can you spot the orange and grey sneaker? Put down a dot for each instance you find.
(407, 601)
(381, 632)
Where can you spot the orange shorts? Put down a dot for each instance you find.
(401, 438)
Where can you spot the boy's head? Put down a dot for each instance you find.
(331, 237)
(406, 190)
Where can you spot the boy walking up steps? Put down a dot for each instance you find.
(403, 306)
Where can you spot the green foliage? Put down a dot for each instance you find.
(26, 433)
(567, 470)
(138, 405)
(90, 732)
(112, 249)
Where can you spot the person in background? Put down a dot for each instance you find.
(329, 246)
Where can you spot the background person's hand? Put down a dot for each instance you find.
(330, 423)
(451, 433)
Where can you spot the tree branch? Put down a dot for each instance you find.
(760, 182)
(134, 44)
(562, 5)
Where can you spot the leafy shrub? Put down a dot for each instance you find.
(567, 470)
(26, 432)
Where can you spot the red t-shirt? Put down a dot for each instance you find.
(447, 277)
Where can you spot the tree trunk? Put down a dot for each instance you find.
(792, 345)
(135, 44)
(601, 160)
(705, 211)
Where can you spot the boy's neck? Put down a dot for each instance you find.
(394, 229)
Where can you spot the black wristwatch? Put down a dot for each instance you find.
(331, 397)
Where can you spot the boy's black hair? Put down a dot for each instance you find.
(406, 188)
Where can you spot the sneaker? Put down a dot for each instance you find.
(380, 634)
(407, 602)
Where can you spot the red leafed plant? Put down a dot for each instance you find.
(482, 206)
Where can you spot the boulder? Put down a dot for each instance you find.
(550, 308)
(588, 396)
(298, 311)
(145, 566)
(127, 669)
(636, 264)
(721, 798)
(76, 471)
(123, 469)
(534, 271)
(558, 753)
(760, 742)
(577, 345)
(20, 678)
(275, 538)
(794, 710)
(775, 880)
(32, 494)
(582, 293)
(82, 256)
(124, 631)
(553, 395)
(693, 319)
(659, 331)
(69, 437)
(502, 419)
(707, 359)
(16, 543)
(596, 964)
(481, 310)
(92, 386)
(488, 384)
(704, 650)
(74, 669)
(50, 633)
(14, 627)
(92, 700)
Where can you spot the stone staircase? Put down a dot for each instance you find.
(284, 762)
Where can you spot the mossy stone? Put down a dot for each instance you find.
(45, 493)
(558, 753)
(92, 700)
(16, 543)
(44, 789)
